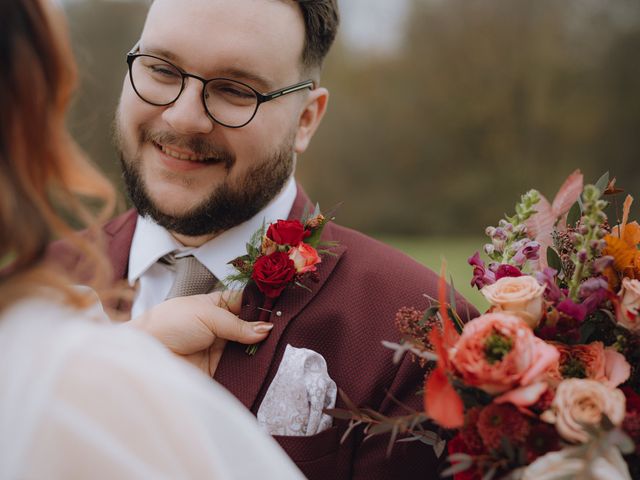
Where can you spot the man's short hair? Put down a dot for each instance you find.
(321, 19)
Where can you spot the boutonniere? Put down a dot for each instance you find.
(280, 255)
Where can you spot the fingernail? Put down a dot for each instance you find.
(262, 327)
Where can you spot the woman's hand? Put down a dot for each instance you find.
(197, 327)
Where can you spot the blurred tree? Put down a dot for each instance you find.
(102, 33)
(488, 99)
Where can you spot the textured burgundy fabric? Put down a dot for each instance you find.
(345, 316)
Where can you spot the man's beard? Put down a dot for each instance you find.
(227, 205)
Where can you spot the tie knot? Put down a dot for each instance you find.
(192, 277)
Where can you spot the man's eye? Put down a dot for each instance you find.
(162, 70)
(234, 92)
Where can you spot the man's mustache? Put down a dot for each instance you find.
(197, 145)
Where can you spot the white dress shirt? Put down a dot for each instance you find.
(151, 242)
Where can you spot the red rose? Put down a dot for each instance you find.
(272, 273)
(287, 232)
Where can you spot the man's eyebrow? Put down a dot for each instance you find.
(254, 80)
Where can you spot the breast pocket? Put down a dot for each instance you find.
(315, 455)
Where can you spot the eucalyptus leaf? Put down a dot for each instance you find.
(602, 182)
(339, 413)
(490, 474)
(553, 259)
(380, 428)
(439, 447)
(460, 463)
(622, 441)
(574, 215)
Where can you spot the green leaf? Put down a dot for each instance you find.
(574, 215)
(602, 182)
(452, 294)
(586, 330)
(553, 259)
(252, 251)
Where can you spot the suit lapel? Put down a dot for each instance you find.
(245, 375)
(119, 235)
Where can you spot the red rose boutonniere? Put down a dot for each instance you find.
(281, 254)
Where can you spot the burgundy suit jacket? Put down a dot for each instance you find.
(344, 316)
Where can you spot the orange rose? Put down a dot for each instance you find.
(498, 352)
(521, 296)
(579, 403)
(268, 246)
(628, 311)
(305, 258)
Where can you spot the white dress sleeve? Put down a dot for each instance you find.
(114, 404)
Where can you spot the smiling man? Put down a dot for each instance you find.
(219, 99)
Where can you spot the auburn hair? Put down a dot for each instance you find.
(43, 174)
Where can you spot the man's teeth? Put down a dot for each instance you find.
(182, 156)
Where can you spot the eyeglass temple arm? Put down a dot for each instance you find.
(284, 91)
(135, 48)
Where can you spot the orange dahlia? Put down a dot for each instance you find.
(622, 245)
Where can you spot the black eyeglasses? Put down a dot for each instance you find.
(228, 102)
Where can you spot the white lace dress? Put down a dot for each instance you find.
(83, 399)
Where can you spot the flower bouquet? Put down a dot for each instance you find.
(545, 384)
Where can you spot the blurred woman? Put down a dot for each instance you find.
(80, 397)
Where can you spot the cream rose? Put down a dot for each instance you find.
(583, 402)
(521, 296)
(568, 463)
(628, 311)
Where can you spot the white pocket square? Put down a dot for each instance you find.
(300, 390)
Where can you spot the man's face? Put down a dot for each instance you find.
(190, 174)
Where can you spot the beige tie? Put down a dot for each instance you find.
(192, 278)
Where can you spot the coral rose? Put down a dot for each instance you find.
(522, 296)
(628, 311)
(584, 402)
(498, 352)
(305, 258)
(594, 362)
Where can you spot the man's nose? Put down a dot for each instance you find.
(187, 115)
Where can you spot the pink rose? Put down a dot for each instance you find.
(305, 258)
(498, 352)
(628, 311)
(579, 403)
(521, 296)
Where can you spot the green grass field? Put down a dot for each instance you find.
(431, 250)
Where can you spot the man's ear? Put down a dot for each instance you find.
(310, 117)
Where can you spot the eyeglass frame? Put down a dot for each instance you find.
(260, 97)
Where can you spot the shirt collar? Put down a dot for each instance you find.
(151, 241)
